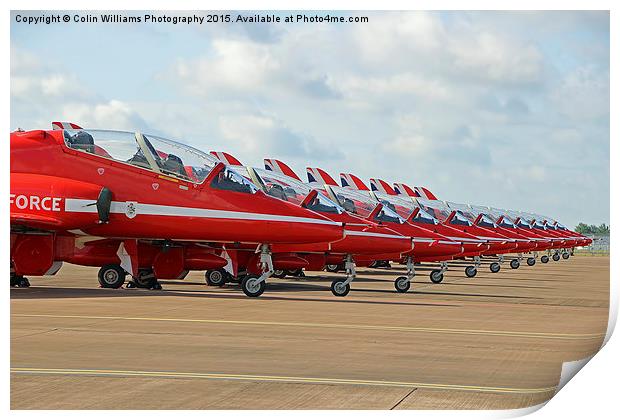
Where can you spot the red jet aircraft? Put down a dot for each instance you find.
(143, 205)
(363, 239)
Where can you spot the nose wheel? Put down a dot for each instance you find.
(514, 264)
(436, 276)
(403, 283)
(556, 257)
(340, 288)
(495, 267)
(531, 261)
(471, 271)
(253, 286)
(565, 255)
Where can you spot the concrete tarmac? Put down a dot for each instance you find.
(493, 341)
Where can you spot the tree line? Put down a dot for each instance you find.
(600, 230)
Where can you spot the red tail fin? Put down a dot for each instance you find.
(425, 193)
(280, 167)
(318, 175)
(61, 125)
(352, 181)
(404, 189)
(226, 158)
(381, 186)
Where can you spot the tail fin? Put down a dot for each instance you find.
(61, 125)
(381, 186)
(226, 158)
(404, 189)
(425, 193)
(319, 176)
(280, 167)
(352, 181)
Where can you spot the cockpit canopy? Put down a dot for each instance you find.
(156, 154)
(362, 204)
(289, 189)
(442, 211)
(405, 207)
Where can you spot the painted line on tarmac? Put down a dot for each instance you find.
(288, 379)
(521, 334)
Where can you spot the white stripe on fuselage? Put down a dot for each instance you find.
(76, 205)
(373, 234)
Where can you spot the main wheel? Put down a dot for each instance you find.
(495, 267)
(531, 261)
(340, 288)
(332, 268)
(565, 255)
(252, 287)
(216, 277)
(402, 284)
(296, 273)
(544, 259)
(556, 257)
(145, 279)
(111, 276)
(514, 264)
(471, 271)
(436, 276)
(279, 274)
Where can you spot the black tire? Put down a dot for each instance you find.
(111, 276)
(531, 261)
(495, 267)
(296, 273)
(332, 268)
(402, 284)
(471, 271)
(436, 276)
(279, 274)
(556, 257)
(339, 288)
(22, 281)
(145, 280)
(15, 279)
(565, 255)
(544, 259)
(216, 277)
(514, 264)
(251, 287)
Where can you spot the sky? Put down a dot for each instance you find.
(508, 109)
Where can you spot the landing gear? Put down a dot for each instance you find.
(531, 261)
(296, 273)
(253, 286)
(343, 287)
(436, 276)
(514, 264)
(280, 274)
(403, 283)
(111, 276)
(495, 267)
(216, 277)
(332, 268)
(144, 280)
(340, 288)
(19, 281)
(565, 255)
(471, 271)
(544, 259)
(556, 257)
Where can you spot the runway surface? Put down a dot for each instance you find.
(493, 341)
